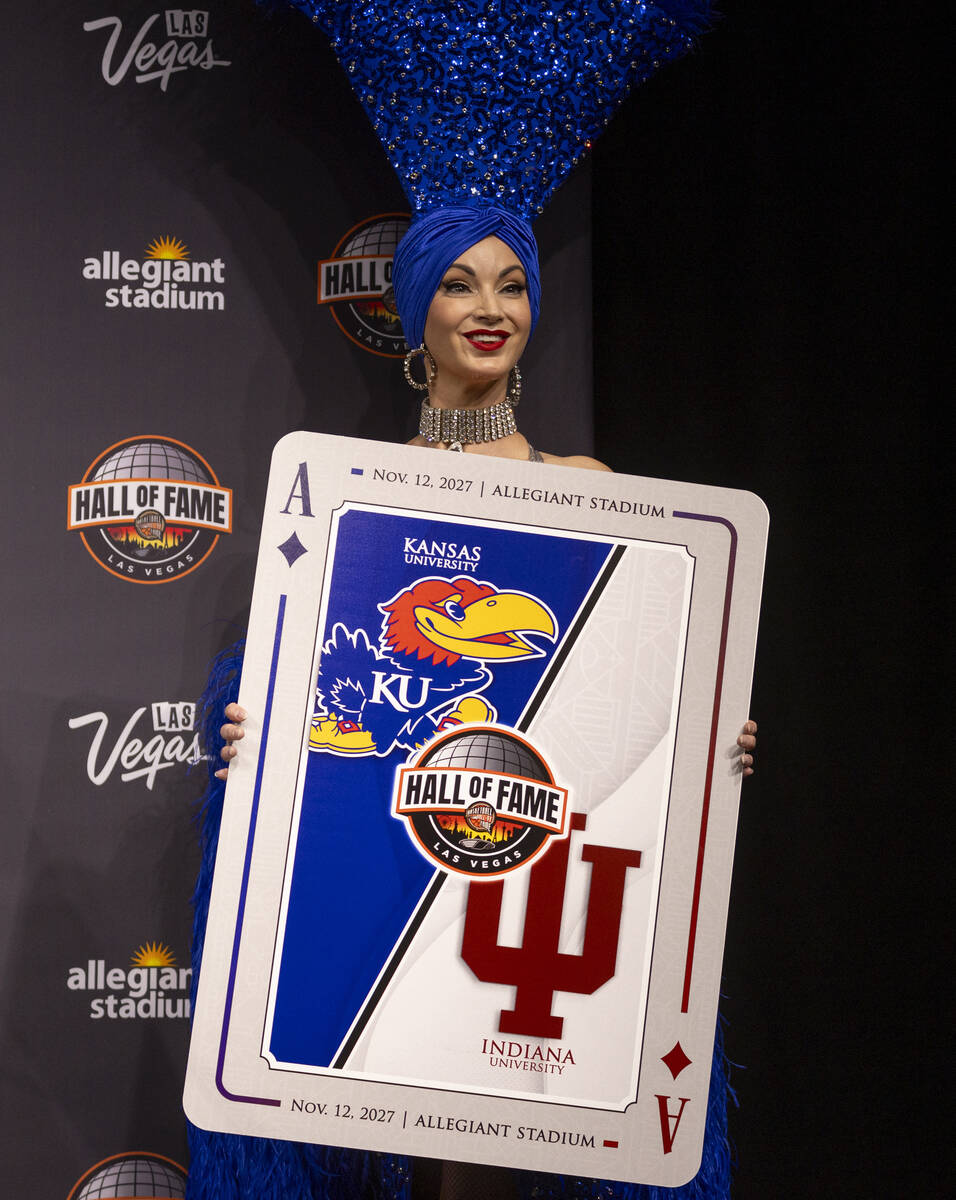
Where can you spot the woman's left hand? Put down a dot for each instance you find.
(747, 743)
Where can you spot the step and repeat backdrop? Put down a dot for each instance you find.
(197, 229)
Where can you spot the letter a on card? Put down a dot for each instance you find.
(670, 1121)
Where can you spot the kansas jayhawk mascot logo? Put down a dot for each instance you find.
(428, 668)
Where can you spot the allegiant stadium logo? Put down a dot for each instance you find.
(150, 509)
(167, 277)
(356, 283)
(481, 801)
(152, 987)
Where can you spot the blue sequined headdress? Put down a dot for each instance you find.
(494, 101)
(489, 104)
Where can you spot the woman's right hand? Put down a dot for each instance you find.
(231, 732)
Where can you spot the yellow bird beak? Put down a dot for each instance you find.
(491, 628)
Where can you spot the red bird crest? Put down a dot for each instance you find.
(403, 635)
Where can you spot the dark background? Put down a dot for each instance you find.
(760, 307)
(757, 213)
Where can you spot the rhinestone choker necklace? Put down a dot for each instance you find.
(460, 427)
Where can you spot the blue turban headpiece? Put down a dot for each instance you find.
(433, 243)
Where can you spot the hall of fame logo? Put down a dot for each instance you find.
(150, 509)
(481, 801)
(356, 283)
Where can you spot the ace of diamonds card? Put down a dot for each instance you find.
(472, 879)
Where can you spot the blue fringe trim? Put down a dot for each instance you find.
(694, 17)
(227, 1166)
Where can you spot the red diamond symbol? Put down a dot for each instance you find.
(675, 1060)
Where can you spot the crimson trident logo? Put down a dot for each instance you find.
(537, 969)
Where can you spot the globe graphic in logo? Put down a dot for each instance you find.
(491, 750)
(137, 1176)
(152, 459)
(133, 538)
(373, 324)
(487, 802)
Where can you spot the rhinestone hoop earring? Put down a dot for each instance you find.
(513, 394)
(430, 368)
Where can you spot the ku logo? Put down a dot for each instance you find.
(427, 668)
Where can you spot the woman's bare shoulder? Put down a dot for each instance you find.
(575, 460)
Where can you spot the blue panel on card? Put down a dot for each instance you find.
(426, 622)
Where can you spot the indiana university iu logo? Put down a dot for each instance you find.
(537, 969)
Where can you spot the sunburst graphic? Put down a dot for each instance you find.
(153, 954)
(167, 247)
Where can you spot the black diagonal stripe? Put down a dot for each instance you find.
(431, 892)
(547, 680)
(427, 900)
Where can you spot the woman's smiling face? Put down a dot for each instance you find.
(480, 319)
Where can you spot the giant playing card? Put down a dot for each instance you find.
(473, 873)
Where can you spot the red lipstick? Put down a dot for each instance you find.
(486, 339)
